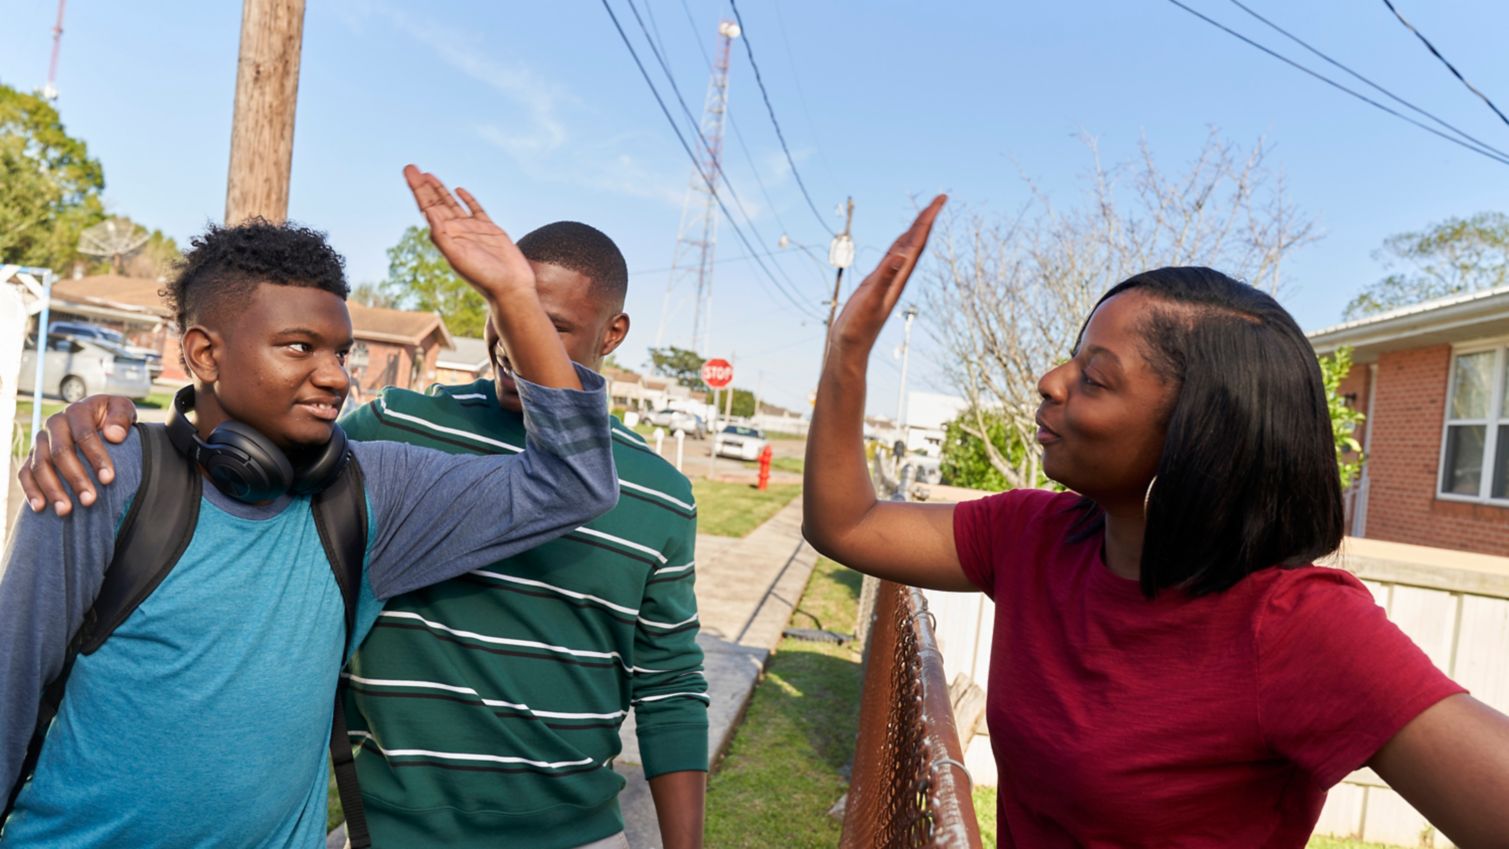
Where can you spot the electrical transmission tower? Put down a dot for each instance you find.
(697, 234)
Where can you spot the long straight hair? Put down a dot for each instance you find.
(1248, 477)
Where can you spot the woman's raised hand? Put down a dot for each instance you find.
(858, 326)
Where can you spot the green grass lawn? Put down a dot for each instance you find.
(776, 434)
(781, 774)
(734, 509)
(794, 465)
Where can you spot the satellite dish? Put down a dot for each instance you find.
(113, 239)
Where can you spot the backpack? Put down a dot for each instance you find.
(145, 552)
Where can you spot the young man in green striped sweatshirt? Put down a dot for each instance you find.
(487, 708)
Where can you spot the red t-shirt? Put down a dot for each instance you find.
(1217, 721)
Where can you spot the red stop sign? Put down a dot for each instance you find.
(717, 373)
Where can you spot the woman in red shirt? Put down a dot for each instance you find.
(1168, 668)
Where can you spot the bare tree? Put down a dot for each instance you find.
(1008, 297)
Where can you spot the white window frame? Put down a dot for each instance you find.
(1498, 402)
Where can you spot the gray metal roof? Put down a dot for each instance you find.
(1481, 314)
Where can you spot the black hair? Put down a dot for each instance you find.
(225, 264)
(584, 249)
(1248, 477)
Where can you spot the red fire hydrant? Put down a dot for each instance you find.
(765, 457)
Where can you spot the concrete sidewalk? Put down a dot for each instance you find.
(746, 591)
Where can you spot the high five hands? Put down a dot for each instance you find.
(858, 326)
(478, 249)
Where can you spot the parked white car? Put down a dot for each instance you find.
(740, 442)
(74, 368)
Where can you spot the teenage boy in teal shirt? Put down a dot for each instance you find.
(203, 717)
(487, 707)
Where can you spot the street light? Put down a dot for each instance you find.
(910, 313)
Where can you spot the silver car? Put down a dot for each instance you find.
(73, 368)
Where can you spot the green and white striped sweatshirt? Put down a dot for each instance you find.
(487, 708)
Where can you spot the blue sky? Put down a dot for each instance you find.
(538, 108)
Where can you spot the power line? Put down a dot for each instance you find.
(658, 53)
(765, 94)
(712, 188)
(722, 259)
(1330, 82)
(1397, 99)
(1449, 66)
(801, 94)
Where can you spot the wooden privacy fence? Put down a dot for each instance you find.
(909, 787)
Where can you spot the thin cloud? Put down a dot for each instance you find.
(541, 142)
(544, 130)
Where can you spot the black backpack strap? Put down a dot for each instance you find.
(340, 516)
(145, 552)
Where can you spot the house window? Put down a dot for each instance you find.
(1475, 450)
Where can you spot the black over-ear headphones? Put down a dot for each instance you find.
(246, 465)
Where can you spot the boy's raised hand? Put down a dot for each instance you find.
(478, 249)
(486, 258)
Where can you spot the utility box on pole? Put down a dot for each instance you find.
(267, 92)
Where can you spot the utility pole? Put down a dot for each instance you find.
(267, 91)
(909, 314)
(840, 256)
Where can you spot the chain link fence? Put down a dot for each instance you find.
(909, 787)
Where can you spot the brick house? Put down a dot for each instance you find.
(393, 347)
(464, 363)
(1434, 381)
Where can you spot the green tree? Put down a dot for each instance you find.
(1345, 419)
(419, 278)
(967, 463)
(682, 365)
(743, 403)
(49, 186)
(1453, 257)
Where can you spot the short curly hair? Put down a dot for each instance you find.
(224, 265)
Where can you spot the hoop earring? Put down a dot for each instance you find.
(1147, 499)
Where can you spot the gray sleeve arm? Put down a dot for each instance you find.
(52, 572)
(439, 515)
